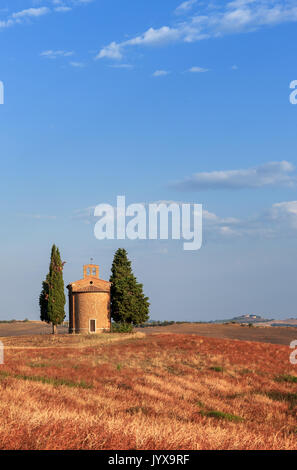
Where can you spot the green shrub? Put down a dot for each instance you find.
(217, 368)
(245, 371)
(122, 328)
(291, 398)
(47, 380)
(200, 404)
(221, 415)
(286, 378)
(39, 364)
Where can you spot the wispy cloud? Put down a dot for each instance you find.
(112, 51)
(267, 175)
(85, 215)
(160, 73)
(6, 23)
(77, 64)
(233, 17)
(198, 70)
(185, 7)
(31, 12)
(38, 216)
(22, 15)
(121, 66)
(62, 9)
(68, 4)
(150, 37)
(57, 6)
(279, 221)
(50, 54)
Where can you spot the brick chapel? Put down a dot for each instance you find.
(89, 303)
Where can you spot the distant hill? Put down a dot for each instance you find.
(250, 318)
(260, 321)
(240, 319)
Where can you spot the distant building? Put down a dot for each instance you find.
(89, 303)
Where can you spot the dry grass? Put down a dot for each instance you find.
(266, 334)
(65, 340)
(146, 392)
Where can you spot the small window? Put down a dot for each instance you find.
(92, 326)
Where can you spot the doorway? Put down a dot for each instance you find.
(92, 326)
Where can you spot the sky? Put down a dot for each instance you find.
(157, 101)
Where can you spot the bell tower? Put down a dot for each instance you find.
(91, 270)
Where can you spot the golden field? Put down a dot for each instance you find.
(157, 391)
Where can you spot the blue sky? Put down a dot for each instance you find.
(156, 101)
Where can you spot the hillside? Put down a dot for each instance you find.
(146, 392)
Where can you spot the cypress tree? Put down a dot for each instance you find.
(128, 302)
(43, 300)
(52, 298)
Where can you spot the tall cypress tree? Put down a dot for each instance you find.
(43, 300)
(52, 298)
(128, 302)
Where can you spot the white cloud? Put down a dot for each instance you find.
(185, 7)
(269, 174)
(6, 23)
(233, 17)
(50, 54)
(285, 211)
(57, 6)
(85, 215)
(154, 36)
(77, 64)
(112, 51)
(22, 15)
(121, 66)
(38, 216)
(31, 12)
(151, 37)
(198, 70)
(160, 73)
(62, 9)
(278, 221)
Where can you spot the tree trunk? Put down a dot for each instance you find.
(54, 329)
